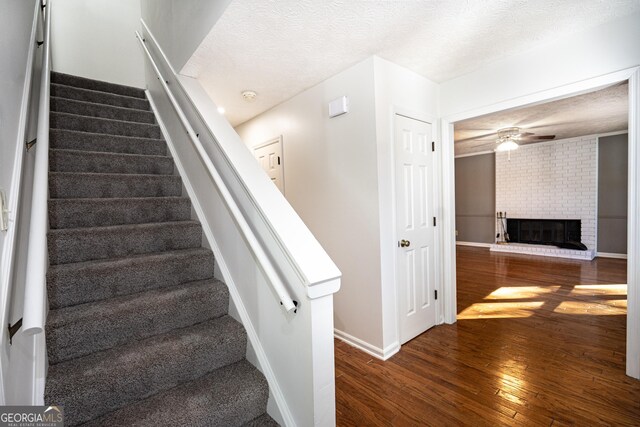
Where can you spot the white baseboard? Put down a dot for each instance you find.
(611, 255)
(474, 244)
(377, 352)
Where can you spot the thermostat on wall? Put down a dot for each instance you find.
(339, 106)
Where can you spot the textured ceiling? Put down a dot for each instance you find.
(279, 48)
(602, 111)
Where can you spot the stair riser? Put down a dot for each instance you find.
(67, 186)
(72, 140)
(168, 360)
(81, 161)
(73, 213)
(79, 94)
(85, 83)
(62, 105)
(85, 244)
(126, 319)
(94, 282)
(106, 126)
(234, 395)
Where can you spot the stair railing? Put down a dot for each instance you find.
(263, 259)
(35, 306)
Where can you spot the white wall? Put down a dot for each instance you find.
(339, 178)
(181, 25)
(604, 49)
(397, 90)
(556, 180)
(96, 39)
(330, 171)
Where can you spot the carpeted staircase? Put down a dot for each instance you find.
(138, 332)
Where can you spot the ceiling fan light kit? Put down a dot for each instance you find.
(507, 138)
(508, 145)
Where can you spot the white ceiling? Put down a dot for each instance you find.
(602, 111)
(279, 48)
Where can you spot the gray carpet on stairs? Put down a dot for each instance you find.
(138, 332)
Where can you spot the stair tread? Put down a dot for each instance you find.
(84, 185)
(262, 421)
(84, 89)
(98, 85)
(76, 266)
(96, 280)
(71, 330)
(225, 397)
(122, 227)
(99, 104)
(113, 241)
(108, 154)
(66, 160)
(101, 382)
(104, 119)
(70, 121)
(91, 135)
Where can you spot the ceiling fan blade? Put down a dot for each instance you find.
(539, 137)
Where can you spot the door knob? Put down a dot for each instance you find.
(404, 243)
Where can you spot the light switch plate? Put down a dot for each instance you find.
(338, 107)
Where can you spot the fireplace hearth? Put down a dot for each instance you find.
(564, 233)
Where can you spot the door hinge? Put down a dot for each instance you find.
(434, 221)
(436, 293)
(278, 159)
(14, 328)
(433, 146)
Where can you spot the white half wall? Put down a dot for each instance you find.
(16, 25)
(96, 39)
(330, 167)
(551, 180)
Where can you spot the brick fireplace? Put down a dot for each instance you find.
(550, 181)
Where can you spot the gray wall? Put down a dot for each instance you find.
(612, 194)
(476, 198)
(179, 26)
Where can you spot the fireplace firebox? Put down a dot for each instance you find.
(565, 233)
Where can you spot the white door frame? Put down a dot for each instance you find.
(437, 197)
(633, 222)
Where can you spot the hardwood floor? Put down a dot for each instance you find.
(539, 341)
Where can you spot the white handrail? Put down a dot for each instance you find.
(257, 249)
(34, 312)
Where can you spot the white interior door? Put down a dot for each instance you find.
(269, 155)
(415, 223)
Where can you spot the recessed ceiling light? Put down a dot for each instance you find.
(221, 110)
(249, 95)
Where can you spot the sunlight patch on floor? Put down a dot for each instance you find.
(599, 290)
(518, 292)
(500, 310)
(594, 308)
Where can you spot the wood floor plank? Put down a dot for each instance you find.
(539, 342)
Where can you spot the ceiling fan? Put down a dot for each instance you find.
(512, 137)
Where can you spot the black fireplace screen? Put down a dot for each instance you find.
(555, 232)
